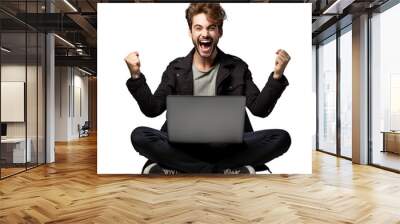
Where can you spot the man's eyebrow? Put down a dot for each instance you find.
(207, 26)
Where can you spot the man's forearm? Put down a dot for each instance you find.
(150, 104)
(262, 103)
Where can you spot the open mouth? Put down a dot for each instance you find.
(205, 45)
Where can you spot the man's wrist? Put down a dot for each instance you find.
(135, 75)
(276, 75)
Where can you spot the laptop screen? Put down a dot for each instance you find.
(206, 119)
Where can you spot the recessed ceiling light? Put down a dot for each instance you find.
(64, 40)
(5, 50)
(338, 6)
(70, 5)
(84, 71)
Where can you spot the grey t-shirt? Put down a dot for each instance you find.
(204, 82)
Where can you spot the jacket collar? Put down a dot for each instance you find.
(223, 59)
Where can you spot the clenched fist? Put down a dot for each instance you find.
(133, 62)
(281, 61)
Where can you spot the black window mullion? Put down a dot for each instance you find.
(37, 90)
(317, 95)
(369, 91)
(338, 92)
(26, 86)
(0, 94)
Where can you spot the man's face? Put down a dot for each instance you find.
(205, 35)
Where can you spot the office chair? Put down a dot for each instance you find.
(84, 130)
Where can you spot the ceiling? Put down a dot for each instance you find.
(76, 22)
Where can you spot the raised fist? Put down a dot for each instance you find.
(133, 62)
(281, 61)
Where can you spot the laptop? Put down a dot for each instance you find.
(206, 119)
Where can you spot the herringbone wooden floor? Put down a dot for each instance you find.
(70, 191)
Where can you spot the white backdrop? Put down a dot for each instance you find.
(159, 33)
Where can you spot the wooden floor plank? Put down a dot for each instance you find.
(70, 191)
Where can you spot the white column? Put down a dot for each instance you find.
(360, 90)
(50, 93)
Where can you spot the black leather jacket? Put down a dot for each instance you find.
(233, 78)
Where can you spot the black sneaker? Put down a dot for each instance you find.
(241, 170)
(154, 168)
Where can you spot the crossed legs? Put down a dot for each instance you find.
(257, 148)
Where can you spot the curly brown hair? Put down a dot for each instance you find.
(213, 11)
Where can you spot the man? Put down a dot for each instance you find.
(207, 71)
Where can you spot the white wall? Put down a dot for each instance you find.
(61, 103)
(271, 28)
(70, 83)
(80, 103)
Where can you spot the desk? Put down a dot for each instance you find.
(391, 141)
(13, 150)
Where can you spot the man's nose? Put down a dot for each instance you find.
(204, 33)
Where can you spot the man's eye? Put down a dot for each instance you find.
(212, 28)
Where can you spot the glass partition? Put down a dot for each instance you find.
(346, 92)
(327, 95)
(33, 64)
(385, 89)
(14, 153)
(32, 95)
(41, 107)
(22, 63)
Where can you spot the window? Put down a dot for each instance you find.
(346, 92)
(327, 95)
(385, 88)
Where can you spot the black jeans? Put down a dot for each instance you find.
(257, 149)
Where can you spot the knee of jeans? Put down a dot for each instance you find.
(137, 136)
(285, 140)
